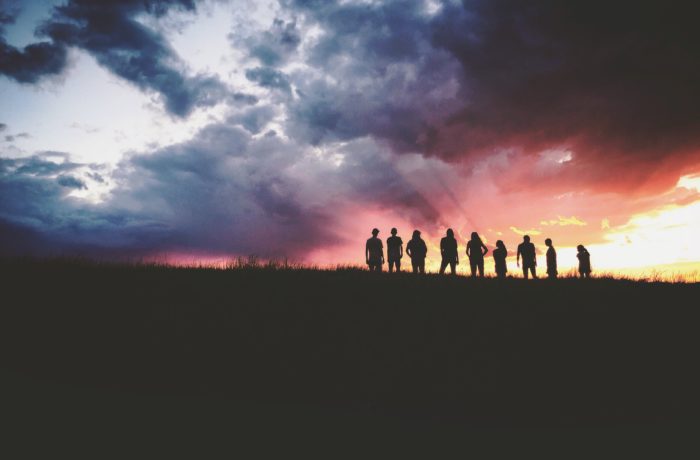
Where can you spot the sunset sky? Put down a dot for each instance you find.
(205, 130)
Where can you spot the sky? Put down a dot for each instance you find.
(200, 131)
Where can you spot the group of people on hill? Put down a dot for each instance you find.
(476, 250)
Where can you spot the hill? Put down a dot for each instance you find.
(293, 350)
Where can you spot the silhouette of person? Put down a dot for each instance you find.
(417, 250)
(584, 261)
(448, 250)
(394, 251)
(374, 252)
(499, 258)
(551, 259)
(527, 251)
(476, 250)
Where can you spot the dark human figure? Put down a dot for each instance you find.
(394, 251)
(448, 250)
(499, 258)
(417, 250)
(551, 259)
(374, 252)
(526, 250)
(584, 261)
(476, 250)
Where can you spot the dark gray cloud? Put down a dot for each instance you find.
(13, 137)
(34, 61)
(253, 119)
(273, 47)
(110, 32)
(71, 182)
(3, 127)
(267, 77)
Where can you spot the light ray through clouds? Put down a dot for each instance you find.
(289, 128)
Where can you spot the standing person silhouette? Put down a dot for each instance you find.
(448, 250)
(476, 250)
(584, 261)
(374, 252)
(551, 259)
(394, 251)
(527, 251)
(417, 250)
(499, 258)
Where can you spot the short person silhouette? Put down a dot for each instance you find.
(551, 259)
(499, 259)
(526, 250)
(476, 250)
(394, 251)
(374, 252)
(417, 250)
(448, 251)
(584, 261)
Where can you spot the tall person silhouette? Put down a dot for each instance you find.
(394, 251)
(448, 250)
(499, 258)
(476, 250)
(551, 259)
(584, 261)
(374, 252)
(526, 250)
(417, 250)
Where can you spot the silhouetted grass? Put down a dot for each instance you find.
(450, 350)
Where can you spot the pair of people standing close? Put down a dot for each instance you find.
(476, 250)
(416, 250)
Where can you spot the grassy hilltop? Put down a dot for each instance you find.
(273, 343)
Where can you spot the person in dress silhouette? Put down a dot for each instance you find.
(476, 250)
(584, 261)
(394, 251)
(551, 259)
(417, 250)
(526, 250)
(448, 250)
(499, 258)
(374, 252)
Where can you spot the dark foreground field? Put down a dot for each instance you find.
(106, 358)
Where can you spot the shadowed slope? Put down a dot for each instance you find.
(481, 352)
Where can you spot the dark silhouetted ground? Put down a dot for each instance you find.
(108, 357)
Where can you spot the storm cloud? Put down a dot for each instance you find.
(223, 191)
(616, 85)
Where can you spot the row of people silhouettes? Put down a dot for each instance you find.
(476, 250)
